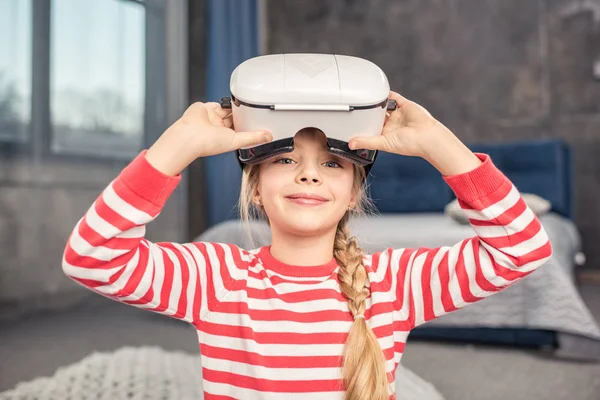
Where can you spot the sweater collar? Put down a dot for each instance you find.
(311, 271)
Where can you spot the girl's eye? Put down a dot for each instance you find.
(333, 164)
(285, 160)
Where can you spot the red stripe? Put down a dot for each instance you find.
(111, 216)
(244, 332)
(426, 285)
(269, 385)
(444, 274)
(279, 361)
(480, 278)
(208, 396)
(463, 277)
(275, 280)
(295, 297)
(489, 199)
(138, 272)
(133, 199)
(402, 269)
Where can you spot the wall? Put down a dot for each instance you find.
(491, 70)
(40, 203)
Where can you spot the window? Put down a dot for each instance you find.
(15, 70)
(97, 77)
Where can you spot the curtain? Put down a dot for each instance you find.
(233, 37)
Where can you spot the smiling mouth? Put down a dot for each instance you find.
(309, 200)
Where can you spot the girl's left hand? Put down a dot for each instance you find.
(409, 130)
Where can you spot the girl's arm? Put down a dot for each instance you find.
(510, 242)
(107, 251)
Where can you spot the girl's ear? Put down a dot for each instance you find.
(352, 203)
(256, 198)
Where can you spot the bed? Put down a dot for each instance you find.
(544, 310)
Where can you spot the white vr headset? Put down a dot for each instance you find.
(342, 96)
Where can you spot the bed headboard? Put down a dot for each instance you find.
(408, 184)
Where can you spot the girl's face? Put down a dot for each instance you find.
(307, 191)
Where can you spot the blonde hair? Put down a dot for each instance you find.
(363, 370)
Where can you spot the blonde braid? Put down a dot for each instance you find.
(364, 363)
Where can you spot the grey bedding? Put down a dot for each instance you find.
(547, 299)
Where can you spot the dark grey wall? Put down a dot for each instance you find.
(490, 70)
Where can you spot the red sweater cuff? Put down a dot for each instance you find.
(478, 183)
(147, 182)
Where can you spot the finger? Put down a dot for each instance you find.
(409, 108)
(378, 142)
(228, 121)
(246, 139)
(396, 117)
(215, 116)
(222, 112)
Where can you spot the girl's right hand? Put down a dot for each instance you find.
(204, 129)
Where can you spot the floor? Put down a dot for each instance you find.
(37, 346)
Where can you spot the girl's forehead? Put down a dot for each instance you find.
(310, 139)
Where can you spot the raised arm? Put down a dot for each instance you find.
(107, 251)
(510, 241)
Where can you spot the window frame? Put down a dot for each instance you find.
(165, 82)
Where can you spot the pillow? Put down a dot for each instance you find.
(538, 205)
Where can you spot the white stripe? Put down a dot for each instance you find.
(126, 210)
(176, 287)
(102, 253)
(527, 246)
(488, 270)
(453, 283)
(379, 272)
(107, 230)
(436, 284)
(399, 336)
(271, 349)
(279, 349)
(158, 282)
(277, 373)
(124, 278)
(415, 279)
(403, 313)
(99, 224)
(95, 274)
(471, 270)
(494, 210)
(133, 233)
(200, 260)
(306, 306)
(261, 372)
(288, 287)
(191, 283)
(244, 320)
(497, 231)
(145, 282)
(237, 273)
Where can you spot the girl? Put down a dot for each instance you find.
(310, 316)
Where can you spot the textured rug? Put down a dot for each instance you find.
(150, 373)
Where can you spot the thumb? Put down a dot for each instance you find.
(253, 138)
(378, 142)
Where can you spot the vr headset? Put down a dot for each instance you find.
(342, 96)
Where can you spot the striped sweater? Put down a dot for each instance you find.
(269, 330)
